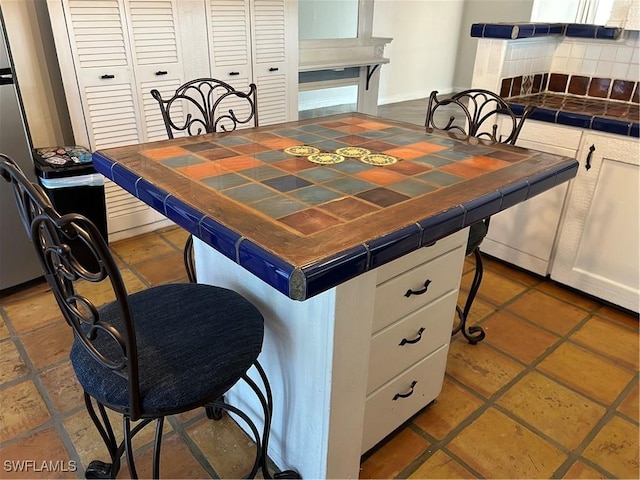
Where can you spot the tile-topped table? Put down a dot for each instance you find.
(338, 242)
(304, 228)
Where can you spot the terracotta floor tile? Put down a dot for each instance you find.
(394, 456)
(226, 447)
(610, 339)
(176, 461)
(560, 413)
(140, 248)
(453, 405)
(33, 312)
(479, 309)
(565, 294)
(513, 273)
(580, 470)
(630, 405)
(89, 444)
(441, 465)
(626, 318)
(62, 387)
(547, 311)
(499, 447)
(48, 345)
(586, 372)
(615, 448)
(12, 365)
(30, 289)
(163, 269)
(517, 337)
(4, 331)
(22, 410)
(175, 235)
(480, 367)
(46, 454)
(102, 292)
(498, 289)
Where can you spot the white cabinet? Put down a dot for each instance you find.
(525, 234)
(598, 246)
(256, 41)
(112, 53)
(414, 308)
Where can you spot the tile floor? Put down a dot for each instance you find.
(552, 392)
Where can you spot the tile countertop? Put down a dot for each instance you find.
(621, 118)
(303, 227)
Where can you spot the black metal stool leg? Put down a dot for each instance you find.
(98, 468)
(474, 333)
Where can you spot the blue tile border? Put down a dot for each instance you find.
(305, 282)
(515, 31)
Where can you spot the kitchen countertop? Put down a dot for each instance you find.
(303, 227)
(622, 118)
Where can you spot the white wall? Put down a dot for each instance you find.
(482, 11)
(424, 46)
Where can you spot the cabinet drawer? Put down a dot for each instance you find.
(383, 414)
(441, 275)
(389, 356)
(421, 256)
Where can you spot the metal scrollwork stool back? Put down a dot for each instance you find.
(161, 351)
(475, 113)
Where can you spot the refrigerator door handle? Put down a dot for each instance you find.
(6, 76)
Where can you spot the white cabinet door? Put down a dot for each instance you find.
(270, 60)
(230, 41)
(157, 58)
(525, 234)
(255, 41)
(598, 246)
(99, 42)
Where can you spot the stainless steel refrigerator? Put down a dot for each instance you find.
(18, 261)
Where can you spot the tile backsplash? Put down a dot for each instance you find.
(599, 58)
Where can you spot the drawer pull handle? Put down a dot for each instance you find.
(587, 164)
(233, 74)
(161, 72)
(419, 292)
(406, 395)
(107, 77)
(415, 340)
(273, 69)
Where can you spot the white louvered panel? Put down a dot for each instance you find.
(230, 32)
(154, 124)
(120, 202)
(153, 30)
(272, 99)
(112, 115)
(269, 31)
(98, 33)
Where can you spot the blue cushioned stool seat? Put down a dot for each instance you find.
(223, 332)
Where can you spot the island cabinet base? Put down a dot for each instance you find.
(350, 365)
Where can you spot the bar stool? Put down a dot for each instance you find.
(476, 113)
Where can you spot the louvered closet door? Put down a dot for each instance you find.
(230, 43)
(269, 60)
(153, 29)
(103, 61)
(100, 46)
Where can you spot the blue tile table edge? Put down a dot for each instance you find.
(301, 283)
